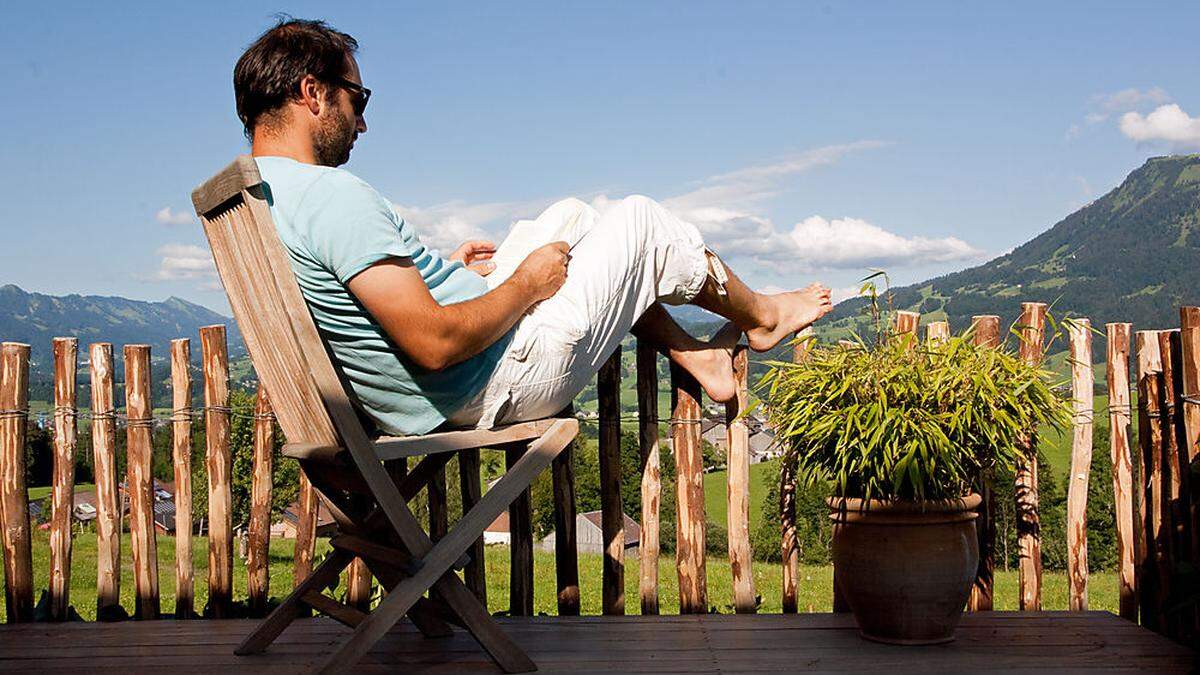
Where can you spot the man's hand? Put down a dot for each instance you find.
(476, 255)
(544, 271)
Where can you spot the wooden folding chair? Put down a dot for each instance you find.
(343, 463)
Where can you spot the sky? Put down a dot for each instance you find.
(807, 141)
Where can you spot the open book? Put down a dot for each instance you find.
(529, 235)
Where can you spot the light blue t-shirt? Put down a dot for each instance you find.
(334, 226)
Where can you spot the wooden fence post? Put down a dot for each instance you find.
(139, 482)
(1150, 439)
(1189, 367)
(520, 528)
(985, 332)
(181, 455)
(65, 429)
(1029, 535)
(566, 553)
(737, 494)
(1174, 512)
(1189, 398)
(14, 497)
(307, 506)
(475, 573)
(649, 545)
(788, 543)
(689, 490)
(258, 553)
(1082, 382)
(219, 463)
(108, 504)
(612, 512)
(937, 332)
(1119, 416)
(907, 323)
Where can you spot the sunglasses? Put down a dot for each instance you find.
(359, 95)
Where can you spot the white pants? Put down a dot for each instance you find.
(631, 256)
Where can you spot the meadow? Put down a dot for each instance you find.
(815, 589)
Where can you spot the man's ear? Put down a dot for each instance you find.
(312, 93)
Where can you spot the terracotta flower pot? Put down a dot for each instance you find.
(905, 568)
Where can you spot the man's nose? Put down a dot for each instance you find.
(361, 127)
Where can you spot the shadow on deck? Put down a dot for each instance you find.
(987, 641)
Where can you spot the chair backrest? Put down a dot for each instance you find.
(288, 353)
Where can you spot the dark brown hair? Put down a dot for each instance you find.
(269, 73)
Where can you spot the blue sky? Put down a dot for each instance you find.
(806, 140)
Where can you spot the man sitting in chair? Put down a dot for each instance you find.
(426, 342)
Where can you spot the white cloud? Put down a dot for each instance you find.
(184, 261)
(1104, 106)
(853, 243)
(1129, 99)
(168, 217)
(1167, 123)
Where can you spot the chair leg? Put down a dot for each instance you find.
(287, 611)
(441, 557)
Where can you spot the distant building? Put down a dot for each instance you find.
(589, 534)
(287, 526)
(762, 438)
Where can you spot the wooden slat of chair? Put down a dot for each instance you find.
(314, 410)
(393, 447)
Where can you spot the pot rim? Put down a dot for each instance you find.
(903, 511)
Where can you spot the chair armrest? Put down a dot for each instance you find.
(395, 447)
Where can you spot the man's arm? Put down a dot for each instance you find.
(438, 336)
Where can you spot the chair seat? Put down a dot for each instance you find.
(395, 447)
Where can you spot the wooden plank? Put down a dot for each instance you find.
(475, 573)
(104, 463)
(689, 493)
(63, 480)
(789, 543)
(566, 553)
(14, 499)
(139, 482)
(1153, 542)
(612, 513)
(738, 488)
(520, 525)
(345, 614)
(258, 553)
(985, 329)
(219, 463)
(1029, 535)
(649, 544)
(181, 455)
(1119, 416)
(1080, 331)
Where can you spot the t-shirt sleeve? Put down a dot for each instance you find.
(351, 227)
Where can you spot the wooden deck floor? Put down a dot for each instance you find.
(1051, 641)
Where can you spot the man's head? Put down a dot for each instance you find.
(299, 79)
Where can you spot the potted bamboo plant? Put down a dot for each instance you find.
(902, 431)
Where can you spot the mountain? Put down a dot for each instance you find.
(37, 319)
(1131, 255)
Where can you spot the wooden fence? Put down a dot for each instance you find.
(1157, 518)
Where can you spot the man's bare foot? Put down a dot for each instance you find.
(713, 366)
(793, 311)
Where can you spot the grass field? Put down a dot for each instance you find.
(815, 582)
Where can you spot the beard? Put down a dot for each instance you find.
(333, 139)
